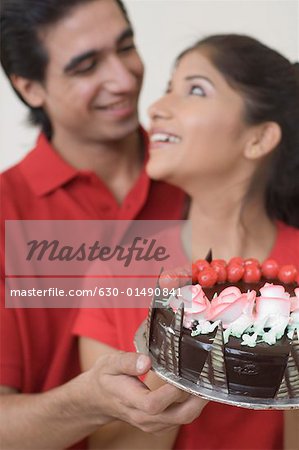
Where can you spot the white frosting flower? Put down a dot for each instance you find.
(295, 301)
(295, 309)
(196, 304)
(231, 304)
(274, 302)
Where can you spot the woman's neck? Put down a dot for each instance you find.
(230, 227)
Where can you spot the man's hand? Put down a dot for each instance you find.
(117, 392)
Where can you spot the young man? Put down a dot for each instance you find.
(74, 64)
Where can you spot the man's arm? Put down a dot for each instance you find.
(110, 389)
(52, 420)
(124, 436)
(291, 430)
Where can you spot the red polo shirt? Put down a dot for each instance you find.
(44, 186)
(38, 351)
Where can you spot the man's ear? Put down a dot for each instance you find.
(264, 139)
(32, 91)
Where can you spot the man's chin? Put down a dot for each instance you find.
(122, 130)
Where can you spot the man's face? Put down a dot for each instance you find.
(94, 75)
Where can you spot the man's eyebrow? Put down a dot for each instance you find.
(194, 77)
(126, 34)
(168, 86)
(76, 60)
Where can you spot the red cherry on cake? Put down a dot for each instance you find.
(236, 260)
(270, 269)
(219, 262)
(235, 272)
(287, 274)
(219, 265)
(202, 264)
(252, 273)
(250, 261)
(195, 272)
(207, 277)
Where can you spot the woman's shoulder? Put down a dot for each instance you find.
(288, 232)
(286, 248)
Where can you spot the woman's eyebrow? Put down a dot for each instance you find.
(196, 77)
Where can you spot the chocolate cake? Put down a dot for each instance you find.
(238, 337)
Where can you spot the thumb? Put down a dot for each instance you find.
(125, 363)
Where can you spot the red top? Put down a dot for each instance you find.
(219, 426)
(38, 351)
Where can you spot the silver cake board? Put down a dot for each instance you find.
(208, 394)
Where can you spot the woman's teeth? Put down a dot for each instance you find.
(164, 137)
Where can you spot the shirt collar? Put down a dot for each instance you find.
(46, 171)
(44, 168)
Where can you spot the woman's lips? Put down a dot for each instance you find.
(160, 139)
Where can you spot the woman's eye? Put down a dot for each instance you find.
(197, 90)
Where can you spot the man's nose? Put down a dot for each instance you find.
(119, 77)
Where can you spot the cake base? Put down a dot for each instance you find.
(211, 394)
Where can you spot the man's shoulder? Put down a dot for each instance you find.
(13, 176)
(14, 188)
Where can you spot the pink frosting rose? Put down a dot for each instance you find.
(230, 304)
(196, 304)
(295, 306)
(295, 301)
(274, 301)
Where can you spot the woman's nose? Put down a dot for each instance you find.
(160, 109)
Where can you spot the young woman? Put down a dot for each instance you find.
(226, 132)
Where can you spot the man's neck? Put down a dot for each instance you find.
(117, 164)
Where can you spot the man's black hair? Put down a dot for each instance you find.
(22, 52)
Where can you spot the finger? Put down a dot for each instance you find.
(161, 432)
(155, 402)
(124, 363)
(139, 397)
(183, 413)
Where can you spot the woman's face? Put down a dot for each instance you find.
(197, 128)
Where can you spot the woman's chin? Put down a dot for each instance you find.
(159, 173)
(156, 171)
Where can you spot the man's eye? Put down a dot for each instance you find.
(197, 90)
(84, 68)
(126, 48)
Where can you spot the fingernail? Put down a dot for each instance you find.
(142, 363)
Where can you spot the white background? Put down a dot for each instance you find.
(163, 28)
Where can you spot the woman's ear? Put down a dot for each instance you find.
(264, 139)
(32, 91)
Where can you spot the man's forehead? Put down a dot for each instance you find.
(97, 23)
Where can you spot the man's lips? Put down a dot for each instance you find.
(119, 108)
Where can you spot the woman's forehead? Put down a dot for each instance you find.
(194, 62)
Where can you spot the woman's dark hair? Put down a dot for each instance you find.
(22, 52)
(269, 84)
